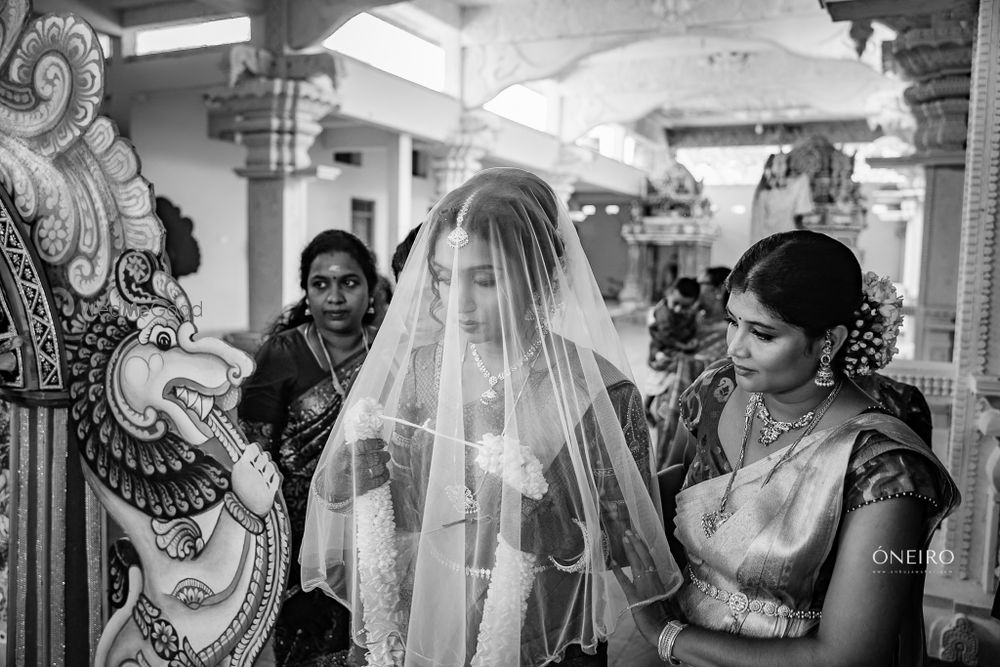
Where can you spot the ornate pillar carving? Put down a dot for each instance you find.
(273, 107)
(566, 171)
(935, 53)
(970, 533)
(455, 161)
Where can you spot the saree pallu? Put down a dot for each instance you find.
(312, 629)
(666, 406)
(773, 546)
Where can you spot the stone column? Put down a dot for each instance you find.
(400, 191)
(455, 161)
(570, 163)
(937, 56)
(277, 119)
(959, 599)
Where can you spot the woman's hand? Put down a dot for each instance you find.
(645, 585)
(368, 460)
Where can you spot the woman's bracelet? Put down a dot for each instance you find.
(665, 644)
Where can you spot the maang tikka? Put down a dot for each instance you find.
(459, 238)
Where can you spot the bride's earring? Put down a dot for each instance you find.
(371, 307)
(824, 376)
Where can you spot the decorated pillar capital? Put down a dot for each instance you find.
(273, 106)
(569, 165)
(456, 160)
(938, 59)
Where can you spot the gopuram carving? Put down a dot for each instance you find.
(812, 187)
(119, 410)
(670, 235)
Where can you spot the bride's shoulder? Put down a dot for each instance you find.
(611, 374)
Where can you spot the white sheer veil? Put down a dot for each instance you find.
(518, 443)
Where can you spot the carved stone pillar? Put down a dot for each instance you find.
(936, 54)
(277, 119)
(633, 291)
(570, 163)
(971, 457)
(455, 161)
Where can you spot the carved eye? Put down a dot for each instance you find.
(163, 338)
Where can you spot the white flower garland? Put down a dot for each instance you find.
(513, 574)
(513, 462)
(376, 531)
(506, 605)
(872, 340)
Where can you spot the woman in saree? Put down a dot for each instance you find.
(304, 370)
(474, 515)
(800, 481)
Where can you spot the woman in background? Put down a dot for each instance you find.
(304, 370)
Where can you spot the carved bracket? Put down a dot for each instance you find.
(461, 155)
(273, 106)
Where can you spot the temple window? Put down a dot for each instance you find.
(411, 57)
(521, 105)
(192, 35)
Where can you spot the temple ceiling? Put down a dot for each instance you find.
(659, 63)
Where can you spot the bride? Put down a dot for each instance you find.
(474, 499)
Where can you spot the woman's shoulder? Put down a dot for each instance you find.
(613, 377)
(718, 379)
(707, 395)
(284, 342)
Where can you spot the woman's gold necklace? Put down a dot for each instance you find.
(337, 386)
(490, 395)
(711, 521)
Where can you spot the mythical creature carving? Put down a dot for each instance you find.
(200, 578)
(675, 191)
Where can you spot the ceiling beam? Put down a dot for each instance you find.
(770, 134)
(868, 10)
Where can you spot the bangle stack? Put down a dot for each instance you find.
(668, 637)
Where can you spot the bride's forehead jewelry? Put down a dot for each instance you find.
(459, 238)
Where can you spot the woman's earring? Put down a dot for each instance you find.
(307, 311)
(371, 307)
(824, 376)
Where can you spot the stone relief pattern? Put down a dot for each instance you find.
(610, 92)
(49, 128)
(42, 329)
(86, 209)
(546, 19)
(975, 285)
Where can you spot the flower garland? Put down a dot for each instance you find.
(513, 462)
(506, 606)
(376, 531)
(872, 340)
(513, 573)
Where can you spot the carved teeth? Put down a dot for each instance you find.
(194, 401)
(205, 407)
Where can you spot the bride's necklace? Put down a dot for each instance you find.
(711, 521)
(772, 429)
(490, 395)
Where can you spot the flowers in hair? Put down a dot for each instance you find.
(513, 462)
(872, 340)
(376, 531)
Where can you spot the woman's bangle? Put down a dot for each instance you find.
(665, 644)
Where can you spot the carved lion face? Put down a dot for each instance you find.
(166, 375)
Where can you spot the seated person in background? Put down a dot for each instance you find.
(672, 331)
